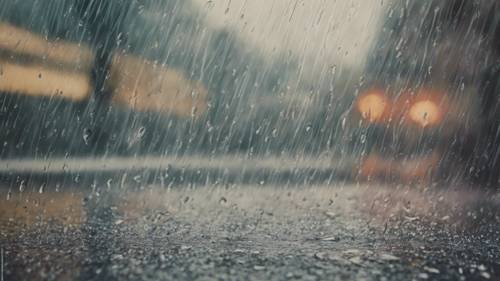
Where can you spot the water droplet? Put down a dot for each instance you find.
(485, 275)
(22, 186)
(432, 270)
(137, 178)
(87, 133)
(210, 127)
(363, 138)
(42, 188)
(423, 275)
(388, 257)
(141, 132)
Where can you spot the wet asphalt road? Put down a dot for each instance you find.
(249, 232)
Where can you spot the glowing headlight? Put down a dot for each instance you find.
(425, 113)
(372, 106)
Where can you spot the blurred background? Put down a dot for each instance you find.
(249, 139)
(279, 75)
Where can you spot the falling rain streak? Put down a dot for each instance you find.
(249, 139)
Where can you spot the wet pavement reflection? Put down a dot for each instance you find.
(252, 232)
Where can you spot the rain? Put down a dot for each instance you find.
(249, 140)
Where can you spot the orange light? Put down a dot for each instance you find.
(425, 113)
(372, 106)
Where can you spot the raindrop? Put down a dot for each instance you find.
(308, 128)
(141, 132)
(485, 275)
(137, 178)
(194, 110)
(210, 127)
(432, 270)
(330, 239)
(388, 257)
(22, 186)
(9, 195)
(86, 135)
(363, 138)
(423, 275)
(42, 188)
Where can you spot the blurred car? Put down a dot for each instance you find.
(429, 105)
(97, 78)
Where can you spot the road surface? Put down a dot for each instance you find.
(104, 231)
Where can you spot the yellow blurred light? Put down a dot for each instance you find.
(425, 113)
(372, 106)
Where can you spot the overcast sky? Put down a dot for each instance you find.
(319, 31)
